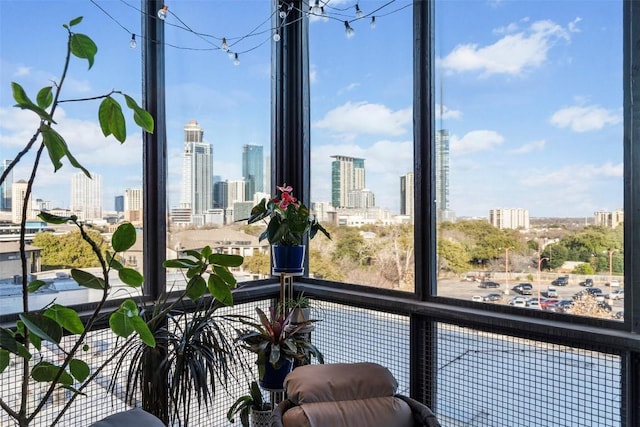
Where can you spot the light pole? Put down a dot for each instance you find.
(610, 252)
(506, 270)
(540, 259)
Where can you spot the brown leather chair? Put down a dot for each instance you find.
(347, 395)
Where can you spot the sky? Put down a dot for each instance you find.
(530, 92)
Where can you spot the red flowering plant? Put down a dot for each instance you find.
(288, 219)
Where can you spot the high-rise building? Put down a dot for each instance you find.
(443, 211)
(407, 195)
(220, 194)
(235, 192)
(133, 205)
(509, 218)
(18, 194)
(5, 187)
(86, 196)
(347, 174)
(197, 166)
(118, 204)
(609, 219)
(252, 170)
(361, 199)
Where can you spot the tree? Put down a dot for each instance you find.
(583, 269)
(349, 246)
(258, 263)
(69, 250)
(453, 256)
(555, 254)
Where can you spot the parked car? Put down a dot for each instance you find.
(561, 281)
(533, 303)
(552, 292)
(619, 315)
(616, 294)
(489, 284)
(586, 282)
(546, 302)
(594, 292)
(562, 306)
(614, 283)
(518, 301)
(492, 297)
(523, 288)
(477, 298)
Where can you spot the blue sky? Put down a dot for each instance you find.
(535, 121)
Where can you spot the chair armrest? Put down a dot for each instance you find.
(421, 413)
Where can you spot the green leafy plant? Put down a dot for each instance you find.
(248, 403)
(24, 343)
(276, 339)
(288, 219)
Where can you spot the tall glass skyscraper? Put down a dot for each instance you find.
(5, 187)
(252, 170)
(347, 174)
(443, 211)
(197, 171)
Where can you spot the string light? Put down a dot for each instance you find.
(325, 17)
(162, 13)
(359, 13)
(132, 43)
(276, 36)
(236, 60)
(373, 23)
(225, 46)
(348, 29)
(316, 10)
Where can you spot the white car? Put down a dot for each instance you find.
(616, 294)
(614, 283)
(518, 301)
(477, 298)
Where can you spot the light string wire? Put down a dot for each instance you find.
(284, 21)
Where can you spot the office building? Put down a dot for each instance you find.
(252, 170)
(5, 187)
(118, 203)
(86, 196)
(407, 195)
(361, 199)
(347, 174)
(197, 166)
(443, 210)
(236, 191)
(509, 218)
(220, 194)
(609, 219)
(18, 194)
(133, 205)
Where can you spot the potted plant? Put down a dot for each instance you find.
(278, 343)
(299, 307)
(251, 407)
(289, 220)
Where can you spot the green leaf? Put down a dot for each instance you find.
(179, 263)
(4, 360)
(55, 144)
(86, 279)
(44, 327)
(46, 372)
(120, 320)
(35, 285)
(111, 119)
(143, 331)
(44, 97)
(225, 275)
(206, 252)
(196, 287)
(26, 104)
(83, 47)
(79, 369)
(220, 290)
(9, 343)
(141, 116)
(75, 21)
(113, 262)
(53, 219)
(130, 277)
(65, 317)
(36, 341)
(194, 253)
(226, 260)
(124, 237)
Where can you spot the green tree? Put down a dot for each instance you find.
(583, 269)
(323, 268)
(555, 254)
(350, 246)
(453, 256)
(68, 250)
(258, 263)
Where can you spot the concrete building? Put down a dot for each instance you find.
(509, 218)
(197, 171)
(609, 219)
(133, 205)
(407, 195)
(347, 174)
(18, 194)
(86, 196)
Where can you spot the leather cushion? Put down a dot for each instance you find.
(135, 417)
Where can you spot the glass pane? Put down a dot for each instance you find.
(218, 114)
(32, 53)
(362, 142)
(529, 127)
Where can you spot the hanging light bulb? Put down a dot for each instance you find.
(348, 29)
(276, 36)
(132, 43)
(225, 46)
(236, 60)
(282, 14)
(162, 13)
(231, 54)
(290, 7)
(316, 8)
(359, 13)
(373, 23)
(325, 17)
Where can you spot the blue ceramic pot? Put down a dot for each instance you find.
(273, 379)
(287, 259)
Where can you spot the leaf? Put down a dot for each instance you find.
(46, 372)
(113, 262)
(53, 219)
(75, 21)
(86, 279)
(79, 369)
(4, 360)
(225, 275)
(44, 327)
(35, 285)
(83, 47)
(226, 260)
(196, 287)
(111, 119)
(65, 317)
(55, 145)
(9, 343)
(124, 237)
(131, 277)
(120, 320)
(206, 252)
(26, 104)
(179, 263)
(44, 97)
(220, 290)
(143, 331)
(141, 116)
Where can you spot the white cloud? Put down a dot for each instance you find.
(22, 71)
(313, 74)
(573, 25)
(448, 113)
(585, 118)
(366, 118)
(513, 54)
(477, 140)
(529, 147)
(348, 88)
